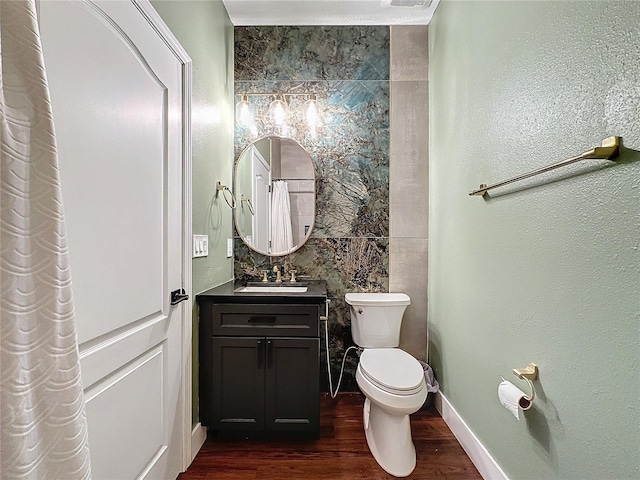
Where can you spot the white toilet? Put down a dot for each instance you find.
(391, 379)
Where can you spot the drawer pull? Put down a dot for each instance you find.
(260, 354)
(262, 319)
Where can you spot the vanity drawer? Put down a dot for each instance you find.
(232, 319)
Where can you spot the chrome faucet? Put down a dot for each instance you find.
(278, 277)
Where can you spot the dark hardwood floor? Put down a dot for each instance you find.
(341, 452)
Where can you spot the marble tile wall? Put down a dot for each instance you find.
(348, 69)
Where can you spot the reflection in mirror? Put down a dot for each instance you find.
(275, 184)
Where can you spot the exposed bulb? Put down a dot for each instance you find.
(278, 110)
(243, 112)
(312, 113)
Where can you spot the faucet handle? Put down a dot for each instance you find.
(264, 275)
(293, 276)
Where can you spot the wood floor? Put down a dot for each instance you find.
(340, 453)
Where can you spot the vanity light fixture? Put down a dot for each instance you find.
(278, 109)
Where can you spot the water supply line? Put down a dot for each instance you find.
(325, 319)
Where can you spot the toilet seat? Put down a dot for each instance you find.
(392, 370)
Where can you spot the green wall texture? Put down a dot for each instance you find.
(547, 270)
(206, 33)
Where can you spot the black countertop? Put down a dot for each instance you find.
(316, 292)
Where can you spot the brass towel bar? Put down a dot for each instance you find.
(608, 150)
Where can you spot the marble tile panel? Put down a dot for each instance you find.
(248, 265)
(311, 53)
(346, 264)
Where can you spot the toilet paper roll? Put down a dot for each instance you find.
(511, 397)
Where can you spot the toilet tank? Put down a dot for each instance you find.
(376, 318)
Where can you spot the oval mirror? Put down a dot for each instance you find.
(275, 188)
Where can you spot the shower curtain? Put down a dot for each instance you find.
(44, 431)
(281, 235)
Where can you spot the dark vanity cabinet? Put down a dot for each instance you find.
(260, 361)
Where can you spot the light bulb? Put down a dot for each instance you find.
(312, 112)
(243, 112)
(278, 110)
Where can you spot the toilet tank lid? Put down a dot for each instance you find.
(377, 299)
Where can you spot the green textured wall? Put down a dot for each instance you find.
(206, 33)
(547, 271)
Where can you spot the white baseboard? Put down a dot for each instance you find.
(478, 454)
(198, 436)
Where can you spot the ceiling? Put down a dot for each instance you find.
(329, 12)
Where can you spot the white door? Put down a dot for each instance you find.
(262, 195)
(116, 93)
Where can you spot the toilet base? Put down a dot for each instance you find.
(389, 440)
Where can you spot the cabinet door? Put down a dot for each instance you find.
(238, 383)
(292, 384)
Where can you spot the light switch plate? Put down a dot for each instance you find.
(200, 246)
(229, 247)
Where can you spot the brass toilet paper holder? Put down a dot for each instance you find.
(529, 374)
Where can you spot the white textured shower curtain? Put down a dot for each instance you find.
(281, 234)
(44, 431)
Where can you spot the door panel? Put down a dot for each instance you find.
(116, 350)
(238, 383)
(110, 111)
(292, 384)
(116, 95)
(140, 384)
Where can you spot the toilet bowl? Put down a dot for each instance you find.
(390, 378)
(388, 405)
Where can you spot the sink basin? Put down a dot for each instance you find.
(272, 289)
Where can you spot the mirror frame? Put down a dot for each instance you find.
(315, 198)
